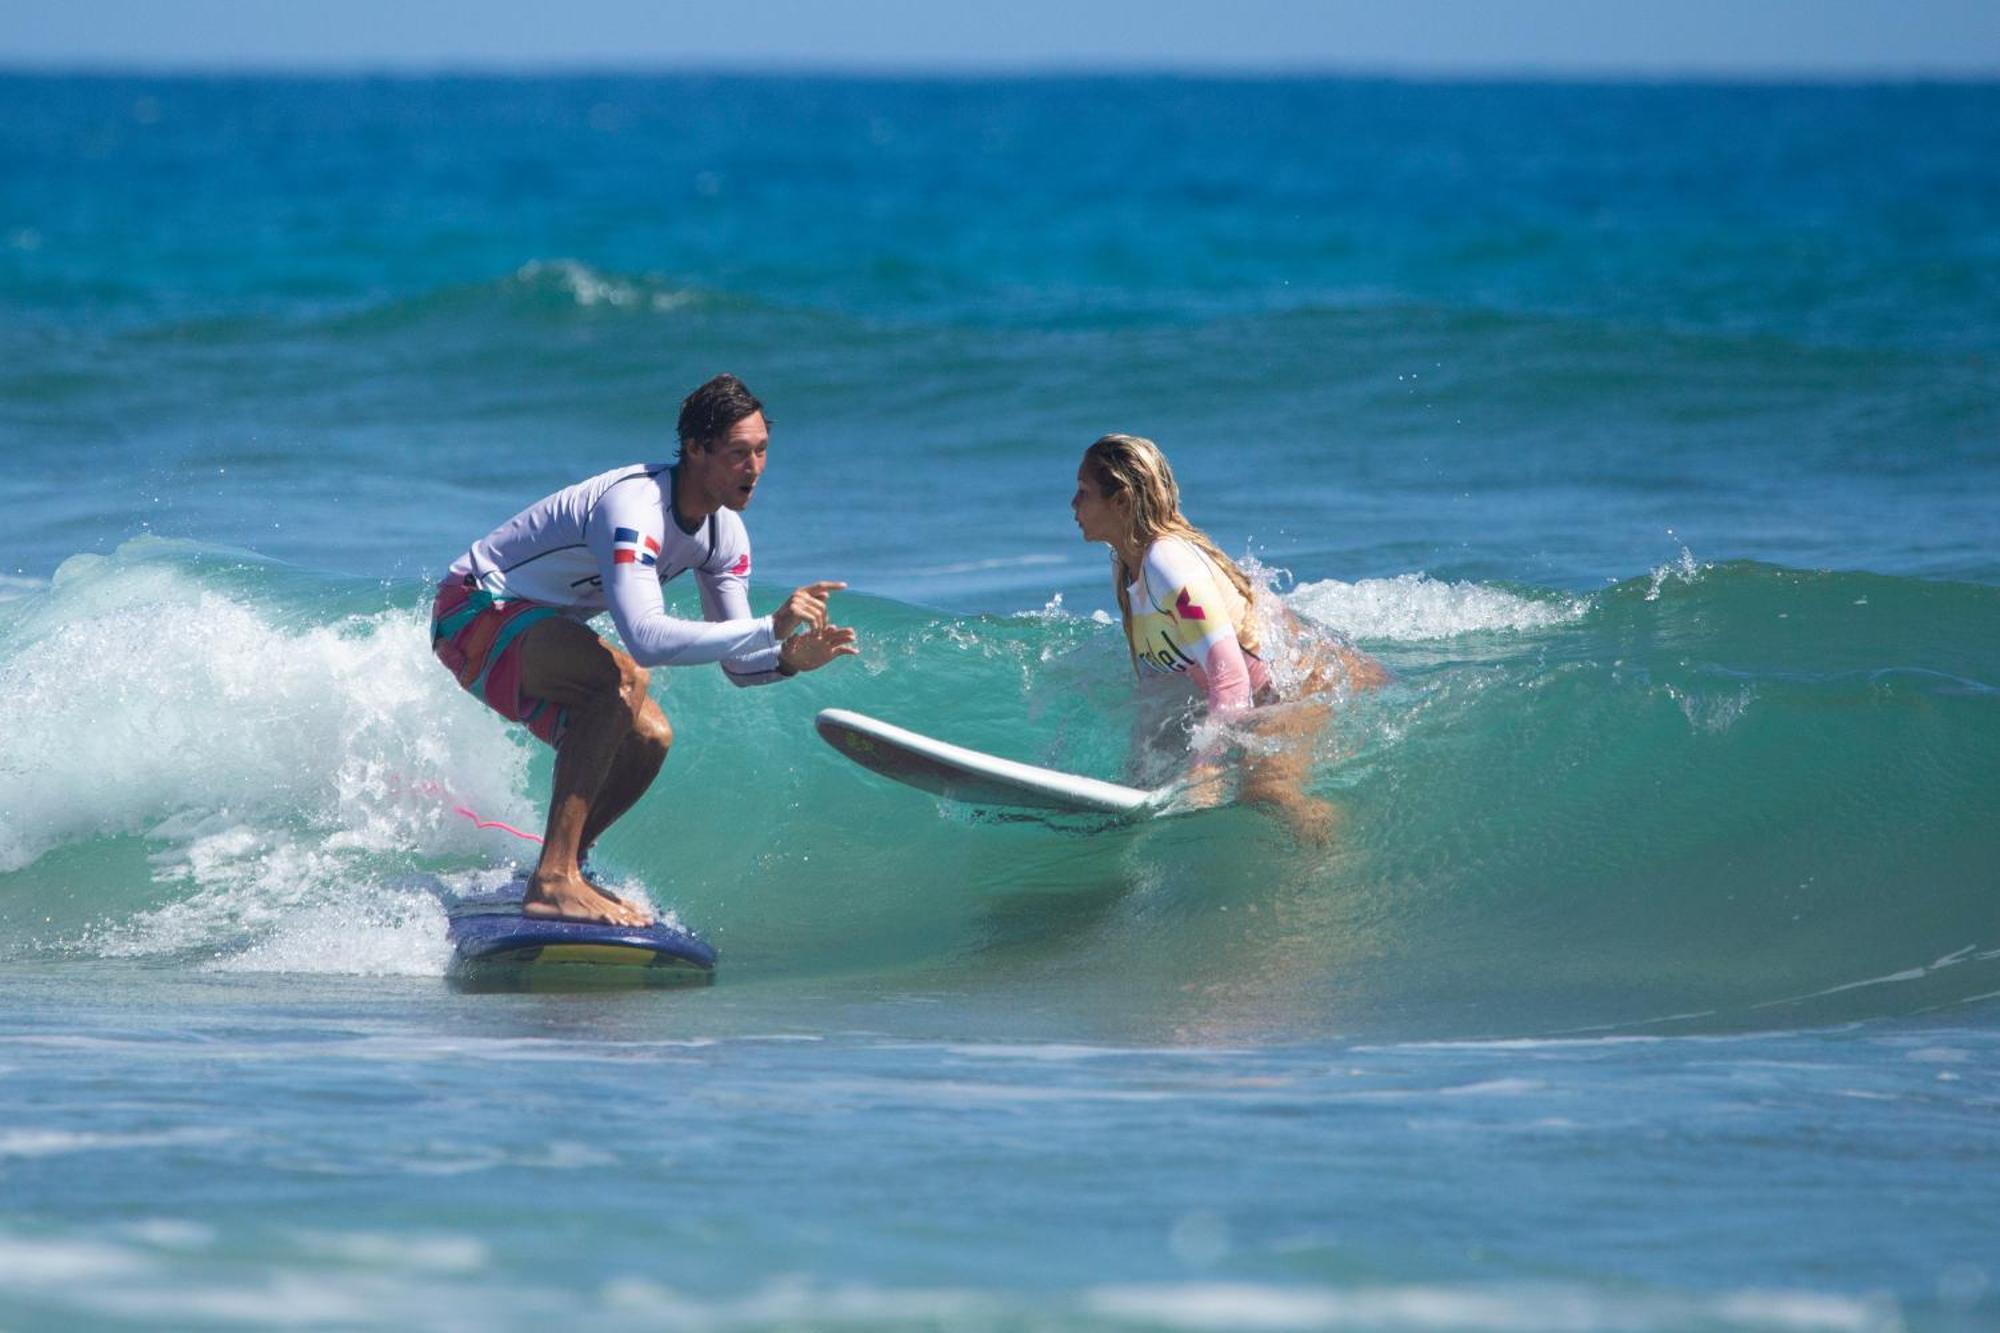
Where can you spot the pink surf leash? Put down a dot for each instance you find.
(494, 823)
(439, 792)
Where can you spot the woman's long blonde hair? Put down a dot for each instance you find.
(1132, 465)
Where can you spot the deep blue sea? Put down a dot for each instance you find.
(1648, 433)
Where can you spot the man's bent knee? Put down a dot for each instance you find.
(633, 681)
(615, 681)
(652, 728)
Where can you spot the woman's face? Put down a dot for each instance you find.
(1101, 519)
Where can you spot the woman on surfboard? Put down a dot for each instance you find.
(1188, 611)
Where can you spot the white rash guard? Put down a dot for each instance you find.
(608, 543)
(1185, 615)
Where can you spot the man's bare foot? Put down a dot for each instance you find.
(591, 877)
(573, 898)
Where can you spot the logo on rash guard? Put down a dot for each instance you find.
(1185, 608)
(626, 548)
(742, 565)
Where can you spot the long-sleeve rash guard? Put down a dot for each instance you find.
(609, 543)
(1185, 615)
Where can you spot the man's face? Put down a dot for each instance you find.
(726, 472)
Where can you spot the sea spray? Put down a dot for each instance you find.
(269, 763)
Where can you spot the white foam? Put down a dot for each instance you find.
(362, 1279)
(280, 1300)
(795, 1302)
(1903, 977)
(424, 1253)
(1495, 1087)
(62, 1142)
(1542, 1309)
(1070, 1052)
(60, 1263)
(279, 770)
(1415, 608)
(143, 695)
(423, 1050)
(171, 1233)
(1235, 1305)
(1940, 1055)
(373, 932)
(1807, 1309)
(587, 287)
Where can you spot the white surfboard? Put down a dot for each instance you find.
(959, 774)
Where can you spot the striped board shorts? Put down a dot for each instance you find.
(479, 638)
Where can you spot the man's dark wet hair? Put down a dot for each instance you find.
(709, 412)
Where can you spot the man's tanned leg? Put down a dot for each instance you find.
(632, 772)
(605, 693)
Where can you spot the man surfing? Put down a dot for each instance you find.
(509, 623)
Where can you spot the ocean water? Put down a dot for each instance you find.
(1649, 434)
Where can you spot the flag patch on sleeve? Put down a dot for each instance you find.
(629, 548)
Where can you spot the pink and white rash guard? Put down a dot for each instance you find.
(608, 543)
(1185, 615)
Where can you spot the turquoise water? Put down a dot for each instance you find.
(1646, 433)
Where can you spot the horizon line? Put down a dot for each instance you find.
(970, 70)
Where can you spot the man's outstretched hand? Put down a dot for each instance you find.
(812, 649)
(806, 606)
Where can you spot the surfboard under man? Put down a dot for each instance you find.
(509, 622)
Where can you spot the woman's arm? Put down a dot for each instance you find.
(1202, 633)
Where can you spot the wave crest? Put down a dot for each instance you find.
(587, 287)
(1415, 608)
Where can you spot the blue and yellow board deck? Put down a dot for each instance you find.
(494, 943)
